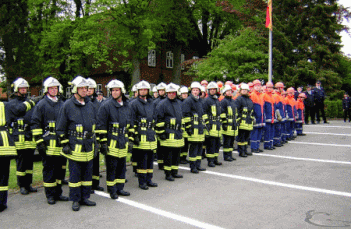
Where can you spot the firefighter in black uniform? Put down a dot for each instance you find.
(7, 152)
(183, 95)
(144, 139)
(44, 119)
(19, 112)
(229, 126)
(113, 125)
(91, 95)
(194, 126)
(309, 105)
(132, 158)
(76, 130)
(319, 97)
(246, 118)
(212, 109)
(161, 90)
(169, 130)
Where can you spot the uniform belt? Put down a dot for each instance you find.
(2, 128)
(24, 127)
(148, 125)
(215, 118)
(117, 130)
(173, 127)
(196, 119)
(83, 135)
(230, 116)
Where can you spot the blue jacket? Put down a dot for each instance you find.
(212, 110)
(245, 112)
(7, 145)
(319, 95)
(229, 116)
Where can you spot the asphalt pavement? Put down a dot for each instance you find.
(304, 184)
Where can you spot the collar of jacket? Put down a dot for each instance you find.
(75, 101)
(117, 104)
(228, 97)
(193, 97)
(20, 98)
(172, 100)
(213, 96)
(52, 103)
(148, 99)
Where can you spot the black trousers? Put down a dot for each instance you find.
(195, 154)
(243, 139)
(228, 143)
(159, 155)
(96, 171)
(171, 158)
(320, 108)
(145, 168)
(184, 150)
(347, 113)
(24, 162)
(53, 174)
(4, 179)
(212, 148)
(115, 173)
(80, 180)
(309, 112)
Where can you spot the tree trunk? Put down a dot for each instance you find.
(176, 73)
(136, 70)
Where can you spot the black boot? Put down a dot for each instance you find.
(75, 206)
(24, 191)
(31, 189)
(169, 176)
(216, 162)
(241, 151)
(175, 174)
(198, 166)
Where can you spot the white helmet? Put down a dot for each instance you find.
(202, 89)
(154, 89)
(51, 82)
(244, 86)
(195, 85)
(172, 88)
(184, 90)
(143, 85)
(20, 82)
(92, 83)
(116, 84)
(161, 86)
(79, 81)
(135, 88)
(212, 85)
(226, 88)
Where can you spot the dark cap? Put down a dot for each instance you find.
(318, 81)
(99, 93)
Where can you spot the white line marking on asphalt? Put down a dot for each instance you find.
(319, 144)
(162, 212)
(299, 187)
(348, 135)
(330, 126)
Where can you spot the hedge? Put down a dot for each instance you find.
(333, 109)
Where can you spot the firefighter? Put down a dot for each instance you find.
(76, 129)
(92, 96)
(300, 118)
(19, 111)
(280, 114)
(161, 89)
(7, 152)
(113, 123)
(169, 130)
(184, 94)
(131, 148)
(290, 113)
(212, 109)
(44, 119)
(256, 134)
(154, 93)
(269, 110)
(229, 126)
(144, 140)
(246, 118)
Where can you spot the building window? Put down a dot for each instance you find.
(151, 58)
(182, 59)
(68, 92)
(169, 59)
(99, 87)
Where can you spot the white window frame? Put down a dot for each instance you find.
(182, 59)
(68, 92)
(169, 59)
(151, 58)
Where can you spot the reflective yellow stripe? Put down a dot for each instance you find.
(174, 167)
(150, 170)
(50, 185)
(87, 183)
(27, 105)
(59, 181)
(2, 114)
(4, 188)
(110, 183)
(167, 168)
(120, 181)
(96, 177)
(29, 171)
(142, 171)
(198, 157)
(74, 185)
(37, 131)
(192, 158)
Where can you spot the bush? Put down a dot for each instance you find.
(333, 109)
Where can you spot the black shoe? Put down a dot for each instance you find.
(31, 189)
(233, 158)
(114, 196)
(183, 162)
(143, 186)
(169, 178)
(273, 147)
(278, 145)
(75, 206)
(160, 167)
(51, 200)
(64, 182)
(177, 176)
(87, 202)
(136, 174)
(62, 198)
(211, 164)
(2, 207)
(268, 148)
(217, 163)
(228, 159)
(98, 188)
(151, 184)
(242, 155)
(24, 191)
(92, 191)
(200, 169)
(123, 193)
(260, 151)
(194, 171)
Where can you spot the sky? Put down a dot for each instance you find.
(346, 38)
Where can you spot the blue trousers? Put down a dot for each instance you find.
(195, 154)
(256, 136)
(277, 133)
(145, 160)
(80, 180)
(115, 173)
(268, 135)
(212, 148)
(53, 174)
(4, 179)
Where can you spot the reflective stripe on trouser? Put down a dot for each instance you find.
(255, 138)
(115, 173)
(212, 148)
(134, 160)
(145, 159)
(80, 179)
(24, 163)
(184, 150)
(298, 128)
(52, 175)
(290, 128)
(228, 142)
(159, 154)
(277, 133)
(195, 154)
(171, 159)
(4, 179)
(243, 138)
(283, 131)
(96, 171)
(268, 135)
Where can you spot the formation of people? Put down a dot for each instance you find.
(176, 125)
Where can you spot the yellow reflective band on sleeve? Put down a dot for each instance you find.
(94, 127)
(21, 174)
(2, 114)
(50, 185)
(39, 141)
(74, 185)
(4, 188)
(27, 105)
(87, 183)
(64, 141)
(96, 177)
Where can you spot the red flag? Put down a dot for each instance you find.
(269, 24)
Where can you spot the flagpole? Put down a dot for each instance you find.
(270, 65)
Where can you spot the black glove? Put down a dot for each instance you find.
(67, 149)
(136, 140)
(104, 149)
(41, 149)
(189, 131)
(163, 136)
(96, 149)
(225, 126)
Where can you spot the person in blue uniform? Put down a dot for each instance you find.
(319, 97)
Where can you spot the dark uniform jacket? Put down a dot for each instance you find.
(76, 125)
(229, 116)
(113, 122)
(212, 110)
(44, 119)
(7, 145)
(309, 101)
(245, 112)
(346, 103)
(144, 121)
(319, 95)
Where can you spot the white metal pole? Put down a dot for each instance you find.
(270, 56)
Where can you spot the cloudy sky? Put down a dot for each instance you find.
(346, 38)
